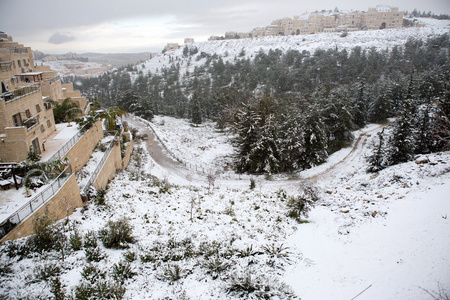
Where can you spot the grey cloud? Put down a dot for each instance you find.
(61, 38)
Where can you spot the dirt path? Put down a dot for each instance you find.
(355, 153)
(162, 158)
(155, 150)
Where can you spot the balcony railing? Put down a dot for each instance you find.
(19, 93)
(35, 203)
(18, 51)
(100, 165)
(5, 66)
(31, 122)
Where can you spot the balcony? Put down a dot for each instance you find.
(18, 51)
(5, 66)
(19, 93)
(31, 122)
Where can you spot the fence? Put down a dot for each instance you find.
(70, 143)
(99, 166)
(160, 140)
(35, 203)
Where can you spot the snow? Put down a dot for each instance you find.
(384, 235)
(229, 50)
(67, 132)
(372, 235)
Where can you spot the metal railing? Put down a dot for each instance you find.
(160, 140)
(69, 144)
(19, 93)
(36, 202)
(18, 51)
(100, 165)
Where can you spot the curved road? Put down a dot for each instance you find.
(162, 158)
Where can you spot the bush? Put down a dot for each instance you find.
(122, 271)
(215, 266)
(259, 287)
(172, 273)
(99, 290)
(92, 274)
(57, 289)
(302, 204)
(117, 234)
(76, 240)
(47, 236)
(91, 248)
(47, 271)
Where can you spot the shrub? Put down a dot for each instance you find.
(91, 248)
(92, 273)
(47, 271)
(76, 240)
(122, 271)
(130, 256)
(47, 237)
(172, 273)
(18, 249)
(100, 198)
(252, 183)
(302, 204)
(259, 287)
(215, 266)
(5, 268)
(57, 289)
(99, 290)
(116, 234)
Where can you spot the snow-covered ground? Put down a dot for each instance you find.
(385, 235)
(229, 50)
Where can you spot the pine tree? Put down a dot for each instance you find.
(401, 145)
(377, 161)
(195, 110)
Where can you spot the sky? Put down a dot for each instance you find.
(117, 26)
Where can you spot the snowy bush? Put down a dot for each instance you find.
(117, 234)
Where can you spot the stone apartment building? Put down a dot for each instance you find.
(381, 17)
(26, 114)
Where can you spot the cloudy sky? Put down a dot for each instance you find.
(107, 26)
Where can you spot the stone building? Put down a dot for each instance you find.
(26, 114)
(381, 17)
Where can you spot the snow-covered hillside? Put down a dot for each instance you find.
(229, 50)
(385, 235)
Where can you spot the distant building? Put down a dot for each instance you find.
(381, 17)
(171, 46)
(188, 40)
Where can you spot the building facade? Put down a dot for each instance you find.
(26, 114)
(380, 17)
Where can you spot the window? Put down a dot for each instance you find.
(27, 113)
(49, 124)
(18, 63)
(38, 108)
(47, 105)
(17, 119)
(42, 128)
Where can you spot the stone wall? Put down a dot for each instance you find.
(113, 163)
(60, 206)
(127, 156)
(80, 153)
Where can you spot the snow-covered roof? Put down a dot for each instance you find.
(383, 8)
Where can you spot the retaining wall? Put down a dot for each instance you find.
(59, 206)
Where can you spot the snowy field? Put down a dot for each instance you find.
(384, 234)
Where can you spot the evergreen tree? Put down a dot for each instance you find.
(195, 110)
(401, 144)
(377, 161)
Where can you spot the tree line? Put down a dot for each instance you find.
(292, 109)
